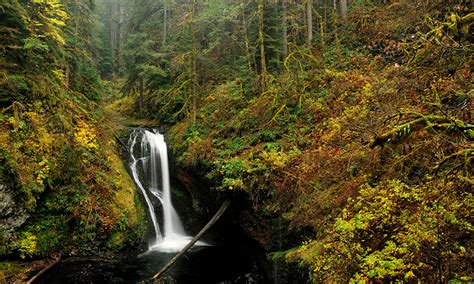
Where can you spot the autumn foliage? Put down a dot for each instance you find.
(362, 148)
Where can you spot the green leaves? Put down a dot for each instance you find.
(35, 43)
(394, 230)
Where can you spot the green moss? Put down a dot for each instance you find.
(43, 236)
(9, 269)
(282, 255)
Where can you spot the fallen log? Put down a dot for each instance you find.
(51, 265)
(209, 224)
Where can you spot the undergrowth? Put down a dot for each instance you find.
(362, 147)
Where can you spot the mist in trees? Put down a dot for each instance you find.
(185, 46)
(54, 42)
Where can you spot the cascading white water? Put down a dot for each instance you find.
(154, 155)
(133, 168)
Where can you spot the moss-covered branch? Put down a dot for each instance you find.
(433, 122)
(467, 153)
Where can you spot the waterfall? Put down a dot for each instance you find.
(133, 168)
(153, 155)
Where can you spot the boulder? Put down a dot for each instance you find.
(12, 216)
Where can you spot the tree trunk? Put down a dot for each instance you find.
(113, 29)
(343, 5)
(322, 25)
(113, 36)
(248, 54)
(44, 270)
(121, 29)
(325, 16)
(309, 18)
(209, 224)
(284, 31)
(336, 33)
(165, 23)
(195, 99)
(261, 43)
(140, 98)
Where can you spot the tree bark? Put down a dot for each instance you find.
(113, 29)
(336, 33)
(140, 99)
(165, 23)
(195, 99)
(113, 35)
(343, 6)
(261, 43)
(250, 57)
(309, 19)
(322, 25)
(120, 28)
(51, 265)
(284, 31)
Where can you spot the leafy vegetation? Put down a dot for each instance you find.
(355, 134)
(347, 128)
(57, 150)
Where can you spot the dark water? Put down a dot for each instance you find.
(235, 259)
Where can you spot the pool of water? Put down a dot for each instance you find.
(236, 259)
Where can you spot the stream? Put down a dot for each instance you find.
(225, 255)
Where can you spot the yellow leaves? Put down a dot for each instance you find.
(57, 22)
(371, 260)
(122, 105)
(45, 139)
(385, 231)
(279, 158)
(28, 245)
(59, 74)
(33, 117)
(42, 171)
(383, 263)
(467, 22)
(233, 183)
(15, 123)
(452, 24)
(32, 158)
(359, 279)
(409, 275)
(342, 225)
(4, 139)
(85, 136)
(368, 90)
(333, 128)
(49, 20)
(334, 74)
(276, 158)
(357, 111)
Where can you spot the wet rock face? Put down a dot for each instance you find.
(12, 216)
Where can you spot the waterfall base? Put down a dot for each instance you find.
(174, 244)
